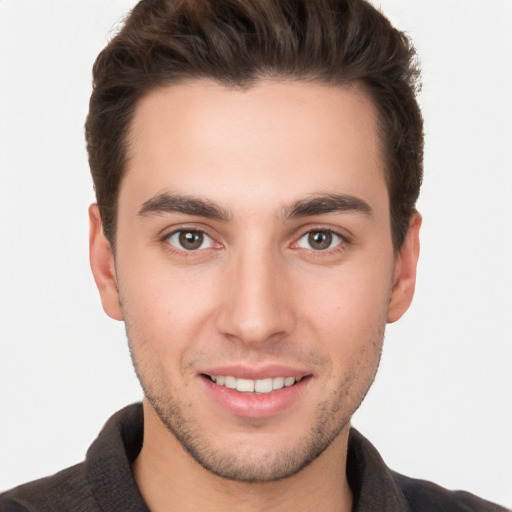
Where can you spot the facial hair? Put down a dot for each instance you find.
(252, 463)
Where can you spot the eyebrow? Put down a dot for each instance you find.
(191, 205)
(328, 203)
(188, 205)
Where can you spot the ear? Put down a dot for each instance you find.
(404, 275)
(103, 268)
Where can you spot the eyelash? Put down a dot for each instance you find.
(183, 252)
(339, 247)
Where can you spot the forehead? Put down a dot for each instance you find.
(260, 145)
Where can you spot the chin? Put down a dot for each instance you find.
(254, 456)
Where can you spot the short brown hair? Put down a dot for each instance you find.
(236, 42)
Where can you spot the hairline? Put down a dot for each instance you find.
(358, 86)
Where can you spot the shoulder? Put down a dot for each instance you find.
(424, 496)
(376, 487)
(66, 490)
(104, 481)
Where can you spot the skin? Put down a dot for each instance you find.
(259, 291)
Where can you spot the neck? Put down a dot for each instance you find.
(169, 478)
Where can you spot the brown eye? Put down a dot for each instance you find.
(319, 240)
(190, 240)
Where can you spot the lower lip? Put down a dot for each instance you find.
(253, 405)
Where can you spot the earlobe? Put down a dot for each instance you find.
(404, 276)
(101, 258)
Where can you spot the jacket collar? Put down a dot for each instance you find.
(109, 459)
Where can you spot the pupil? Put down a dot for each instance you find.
(191, 239)
(320, 240)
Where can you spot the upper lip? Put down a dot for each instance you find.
(256, 373)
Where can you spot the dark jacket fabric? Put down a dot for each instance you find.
(104, 481)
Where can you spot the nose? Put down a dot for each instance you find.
(257, 305)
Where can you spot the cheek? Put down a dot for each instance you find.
(163, 317)
(349, 310)
(164, 304)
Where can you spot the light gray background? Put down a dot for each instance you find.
(441, 407)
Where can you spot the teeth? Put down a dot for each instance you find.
(259, 386)
(263, 386)
(289, 381)
(245, 385)
(230, 382)
(278, 383)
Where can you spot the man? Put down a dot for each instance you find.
(256, 166)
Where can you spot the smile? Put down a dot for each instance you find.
(258, 386)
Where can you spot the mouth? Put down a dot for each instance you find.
(255, 393)
(256, 386)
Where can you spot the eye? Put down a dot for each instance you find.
(189, 240)
(319, 240)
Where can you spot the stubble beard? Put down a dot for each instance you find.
(332, 415)
(243, 465)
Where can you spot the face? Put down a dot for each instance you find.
(254, 268)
